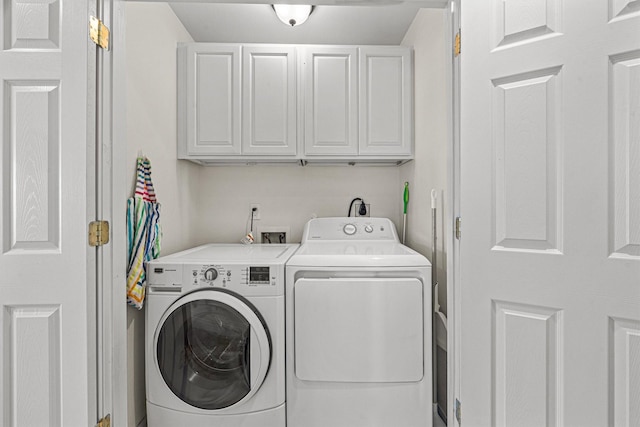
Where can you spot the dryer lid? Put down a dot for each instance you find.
(357, 253)
(354, 242)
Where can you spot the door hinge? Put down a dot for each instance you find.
(457, 45)
(458, 410)
(98, 233)
(98, 32)
(105, 422)
(458, 227)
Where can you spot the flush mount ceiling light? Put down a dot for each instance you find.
(293, 14)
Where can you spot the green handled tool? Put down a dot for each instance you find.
(406, 202)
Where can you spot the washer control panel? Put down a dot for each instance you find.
(249, 270)
(232, 275)
(247, 279)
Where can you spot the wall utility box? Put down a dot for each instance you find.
(273, 234)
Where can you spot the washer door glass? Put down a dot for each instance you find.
(203, 352)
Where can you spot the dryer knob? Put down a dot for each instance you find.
(349, 229)
(210, 274)
(368, 228)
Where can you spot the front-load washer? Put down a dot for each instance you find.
(358, 328)
(215, 337)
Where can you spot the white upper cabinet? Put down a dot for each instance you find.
(208, 100)
(268, 100)
(386, 101)
(330, 80)
(278, 103)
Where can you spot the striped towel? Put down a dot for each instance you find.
(143, 232)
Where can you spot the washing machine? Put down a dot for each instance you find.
(358, 328)
(215, 329)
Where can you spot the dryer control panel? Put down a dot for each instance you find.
(350, 228)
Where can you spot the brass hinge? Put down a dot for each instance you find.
(457, 45)
(458, 227)
(98, 32)
(105, 422)
(98, 233)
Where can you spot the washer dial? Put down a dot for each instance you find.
(210, 274)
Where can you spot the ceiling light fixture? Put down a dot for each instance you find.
(293, 14)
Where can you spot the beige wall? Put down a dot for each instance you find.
(290, 196)
(429, 169)
(206, 204)
(151, 129)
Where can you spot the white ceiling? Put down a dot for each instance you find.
(340, 22)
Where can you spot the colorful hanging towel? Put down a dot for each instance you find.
(143, 233)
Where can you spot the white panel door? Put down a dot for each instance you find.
(45, 367)
(208, 100)
(386, 100)
(550, 200)
(330, 76)
(268, 100)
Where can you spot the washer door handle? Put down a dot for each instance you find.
(246, 360)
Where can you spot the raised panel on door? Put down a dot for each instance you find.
(527, 343)
(32, 24)
(386, 101)
(519, 21)
(32, 339)
(31, 156)
(526, 131)
(624, 154)
(624, 372)
(330, 100)
(208, 100)
(268, 100)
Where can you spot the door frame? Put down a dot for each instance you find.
(115, 184)
(453, 212)
(112, 314)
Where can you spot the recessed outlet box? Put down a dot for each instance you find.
(274, 234)
(256, 213)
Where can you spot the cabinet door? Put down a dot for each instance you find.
(269, 100)
(209, 100)
(330, 100)
(386, 102)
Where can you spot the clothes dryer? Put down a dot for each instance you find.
(215, 337)
(358, 331)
